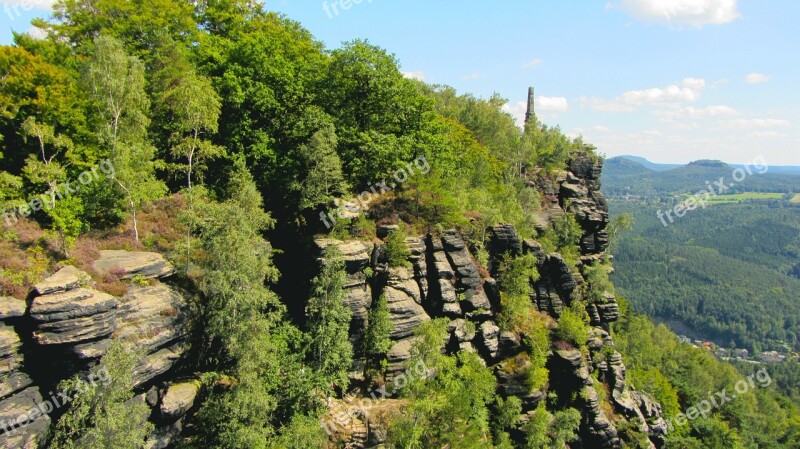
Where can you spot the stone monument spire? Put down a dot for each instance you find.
(531, 112)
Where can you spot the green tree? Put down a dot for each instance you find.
(322, 170)
(192, 109)
(101, 415)
(377, 341)
(329, 320)
(44, 168)
(396, 250)
(117, 85)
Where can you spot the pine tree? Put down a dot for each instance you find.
(329, 320)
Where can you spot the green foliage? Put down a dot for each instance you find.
(101, 415)
(572, 326)
(516, 274)
(717, 272)
(117, 85)
(236, 260)
(449, 408)
(329, 320)
(563, 236)
(546, 430)
(670, 370)
(598, 282)
(396, 250)
(324, 180)
(377, 341)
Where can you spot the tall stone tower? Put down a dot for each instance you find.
(531, 112)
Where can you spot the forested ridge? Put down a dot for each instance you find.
(210, 143)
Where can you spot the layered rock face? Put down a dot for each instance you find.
(444, 280)
(67, 326)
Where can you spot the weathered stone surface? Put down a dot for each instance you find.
(608, 312)
(9, 340)
(67, 278)
(11, 308)
(490, 338)
(461, 330)
(164, 437)
(356, 253)
(23, 403)
(11, 378)
(383, 231)
(442, 266)
(158, 363)
(398, 355)
(178, 400)
(152, 317)
(406, 313)
(503, 239)
(73, 316)
(131, 264)
(29, 437)
(71, 304)
(476, 300)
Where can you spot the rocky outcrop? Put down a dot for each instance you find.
(22, 423)
(68, 326)
(129, 265)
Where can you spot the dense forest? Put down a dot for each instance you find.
(726, 271)
(226, 137)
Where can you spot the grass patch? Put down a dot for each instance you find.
(796, 198)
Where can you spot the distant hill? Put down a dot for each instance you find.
(628, 175)
(655, 166)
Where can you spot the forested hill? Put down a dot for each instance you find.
(218, 233)
(625, 176)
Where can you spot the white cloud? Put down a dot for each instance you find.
(689, 90)
(595, 128)
(759, 123)
(694, 13)
(415, 75)
(517, 110)
(27, 5)
(554, 104)
(674, 114)
(472, 76)
(764, 135)
(532, 63)
(36, 33)
(541, 104)
(756, 78)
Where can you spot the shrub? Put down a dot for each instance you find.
(395, 249)
(572, 328)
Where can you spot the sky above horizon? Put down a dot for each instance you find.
(670, 80)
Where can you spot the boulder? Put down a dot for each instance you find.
(11, 308)
(130, 264)
(178, 400)
(67, 278)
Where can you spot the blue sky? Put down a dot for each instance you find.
(671, 80)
